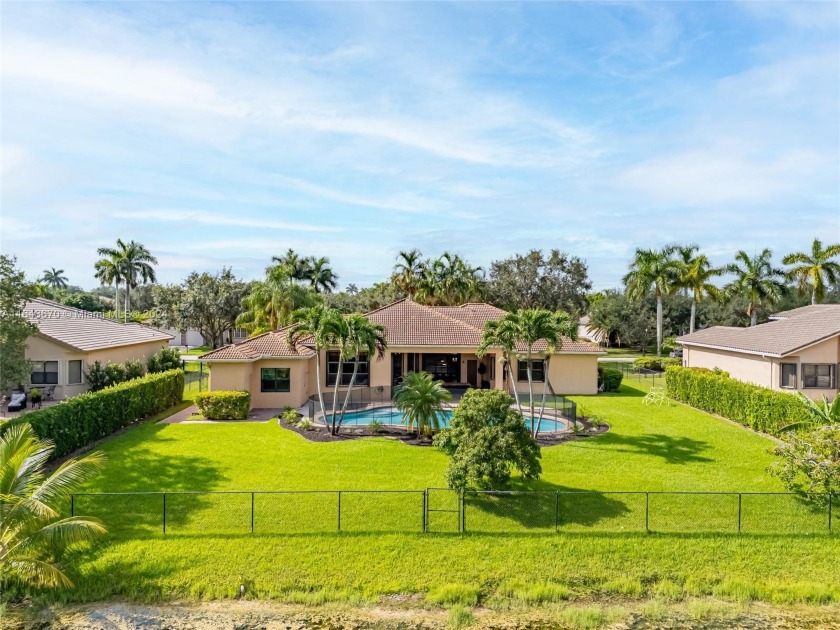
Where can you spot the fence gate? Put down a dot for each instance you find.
(443, 510)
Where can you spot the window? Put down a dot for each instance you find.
(788, 376)
(44, 373)
(74, 372)
(275, 380)
(443, 367)
(240, 333)
(362, 377)
(537, 370)
(818, 375)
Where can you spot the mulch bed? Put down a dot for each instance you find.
(321, 434)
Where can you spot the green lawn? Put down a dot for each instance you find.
(601, 550)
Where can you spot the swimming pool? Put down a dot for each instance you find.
(392, 415)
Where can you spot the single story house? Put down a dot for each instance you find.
(440, 340)
(797, 350)
(192, 337)
(69, 340)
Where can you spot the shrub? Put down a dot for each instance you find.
(751, 405)
(133, 369)
(166, 359)
(85, 418)
(810, 462)
(305, 424)
(375, 425)
(658, 364)
(289, 415)
(224, 405)
(609, 379)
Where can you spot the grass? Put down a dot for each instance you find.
(602, 552)
(198, 350)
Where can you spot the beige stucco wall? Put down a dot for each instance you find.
(42, 349)
(246, 376)
(572, 374)
(766, 371)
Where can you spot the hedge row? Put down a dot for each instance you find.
(82, 419)
(224, 405)
(757, 407)
(609, 378)
(655, 363)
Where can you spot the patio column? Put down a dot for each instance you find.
(499, 381)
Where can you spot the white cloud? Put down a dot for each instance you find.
(206, 218)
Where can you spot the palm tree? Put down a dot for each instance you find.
(358, 335)
(652, 269)
(420, 398)
(54, 278)
(526, 328)
(136, 262)
(757, 280)
(814, 270)
(33, 534)
(110, 271)
(270, 303)
(321, 277)
(695, 276)
(567, 326)
(819, 413)
(501, 334)
(297, 267)
(408, 271)
(322, 324)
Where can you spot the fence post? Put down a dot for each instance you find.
(73, 507)
(252, 512)
(830, 496)
(463, 511)
(647, 512)
(164, 512)
(339, 510)
(425, 506)
(740, 497)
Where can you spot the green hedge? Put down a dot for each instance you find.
(224, 405)
(82, 419)
(610, 378)
(751, 405)
(655, 363)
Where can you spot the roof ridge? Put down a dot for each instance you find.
(394, 303)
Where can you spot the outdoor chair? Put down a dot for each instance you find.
(48, 393)
(18, 401)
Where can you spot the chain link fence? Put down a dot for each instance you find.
(443, 510)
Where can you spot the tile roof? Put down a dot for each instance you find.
(406, 323)
(806, 310)
(777, 338)
(86, 331)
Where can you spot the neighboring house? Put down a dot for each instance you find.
(797, 350)
(193, 338)
(436, 339)
(69, 340)
(588, 333)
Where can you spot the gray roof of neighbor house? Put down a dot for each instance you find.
(806, 310)
(407, 324)
(86, 331)
(790, 332)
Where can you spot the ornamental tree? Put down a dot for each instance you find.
(810, 461)
(486, 441)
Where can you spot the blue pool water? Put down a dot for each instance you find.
(392, 415)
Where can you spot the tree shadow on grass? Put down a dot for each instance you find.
(672, 449)
(129, 495)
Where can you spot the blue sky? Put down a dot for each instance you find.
(221, 134)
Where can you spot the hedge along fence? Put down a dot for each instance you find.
(752, 405)
(82, 419)
(224, 405)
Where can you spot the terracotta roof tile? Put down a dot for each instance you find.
(84, 330)
(407, 324)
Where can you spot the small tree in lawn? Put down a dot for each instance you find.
(486, 441)
(420, 398)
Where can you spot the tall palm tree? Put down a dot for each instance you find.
(408, 271)
(566, 327)
(54, 278)
(110, 271)
(657, 270)
(815, 269)
(420, 398)
(298, 267)
(33, 533)
(321, 277)
(695, 276)
(136, 262)
(757, 280)
(270, 302)
(501, 334)
(322, 324)
(359, 335)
